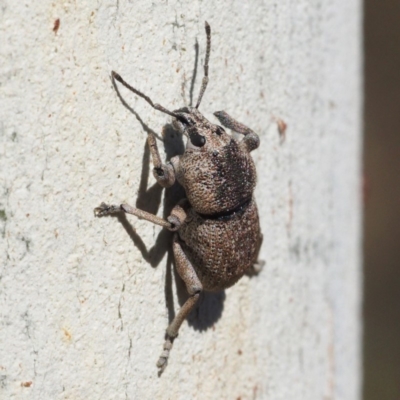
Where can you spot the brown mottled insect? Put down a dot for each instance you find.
(217, 233)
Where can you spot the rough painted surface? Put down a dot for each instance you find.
(84, 302)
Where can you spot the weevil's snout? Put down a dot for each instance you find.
(187, 123)
(201, 133)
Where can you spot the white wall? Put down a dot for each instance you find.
(83, 305)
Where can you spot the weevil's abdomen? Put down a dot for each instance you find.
(218, 180)
(222, 248)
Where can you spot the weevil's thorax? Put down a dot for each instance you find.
(218, 174)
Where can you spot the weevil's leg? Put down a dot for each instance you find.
(164, 173)
(257, 267)
(205, 78)
(106, 209)
(194, 287)
(172, 223)
(251, 139)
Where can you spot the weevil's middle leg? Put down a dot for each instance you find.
(251, 139)
(194, 287)
(106, 209)
(172, 223)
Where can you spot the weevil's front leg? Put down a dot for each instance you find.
(194, 287)
(172, 223)
(251, 139)
(164, 173)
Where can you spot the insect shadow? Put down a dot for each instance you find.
(210, 306)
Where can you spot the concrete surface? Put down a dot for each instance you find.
(84, 302)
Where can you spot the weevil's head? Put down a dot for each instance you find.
(202, 135)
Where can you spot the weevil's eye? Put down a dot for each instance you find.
(220, 130)
(197, 140)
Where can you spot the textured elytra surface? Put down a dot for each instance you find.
(222, 249)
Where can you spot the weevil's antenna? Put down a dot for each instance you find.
(158, 107)
(205, 78)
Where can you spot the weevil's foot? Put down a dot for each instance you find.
(256, 268)
(105, 209)
(163, 360)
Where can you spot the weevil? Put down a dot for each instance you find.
(216, 227)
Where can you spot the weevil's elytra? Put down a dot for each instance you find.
(217, 233)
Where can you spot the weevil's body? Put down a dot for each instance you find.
(217, 233)
(220, 234)
(221, 249)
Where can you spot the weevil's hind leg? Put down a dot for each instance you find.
(257, 267)
(251, 139)
(194, 287)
